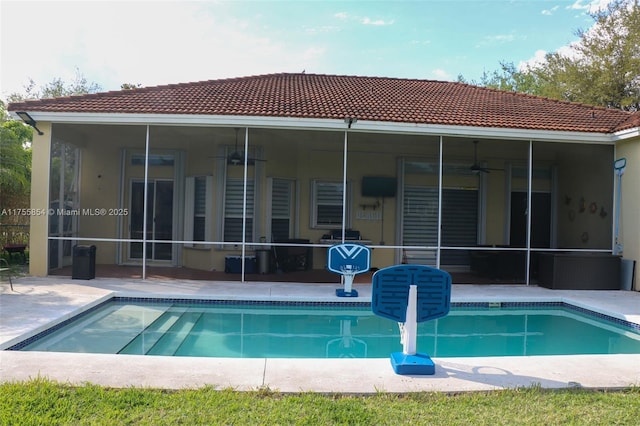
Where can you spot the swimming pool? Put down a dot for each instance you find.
(323, 330)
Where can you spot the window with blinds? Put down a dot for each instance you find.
(459, 224)
(327, 204)
(198, 208)
(200, 193)
(233, 210)
(281, 208)
(420, 223)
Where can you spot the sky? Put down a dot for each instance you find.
(152, 43)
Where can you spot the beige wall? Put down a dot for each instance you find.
(39, 223)
(630, 206)
(100, 183)
(585, 179)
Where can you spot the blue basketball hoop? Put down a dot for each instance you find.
(410, 294)
(348, 260)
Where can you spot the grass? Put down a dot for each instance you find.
(39, 402)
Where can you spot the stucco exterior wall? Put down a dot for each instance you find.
(100, 184)
(585, 207)
(630, 203)
(39, 223)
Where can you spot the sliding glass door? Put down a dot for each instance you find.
(159, 223)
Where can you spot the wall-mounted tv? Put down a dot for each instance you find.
(378, 186)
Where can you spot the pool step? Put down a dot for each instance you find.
(105, 331)
(171, 340)
(154, 332)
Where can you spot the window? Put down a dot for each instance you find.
(198, 209)
(233, 208)
(154, 159)
(327, 204)
(420, 223)
(281, 208)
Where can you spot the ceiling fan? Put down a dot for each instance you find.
(236, 158)
(476, 168)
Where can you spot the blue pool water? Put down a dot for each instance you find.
(208, 329)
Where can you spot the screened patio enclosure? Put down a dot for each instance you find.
(201, 197)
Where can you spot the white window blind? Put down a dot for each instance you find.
(198, 208)
(281, 208)
(327, 204)
(233, 210)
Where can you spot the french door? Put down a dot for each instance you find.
(64, 201)
(159, 224)
(540, 220)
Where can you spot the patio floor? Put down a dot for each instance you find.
(38, 302)
(301, 276)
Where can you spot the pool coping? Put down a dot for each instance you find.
(32, 304)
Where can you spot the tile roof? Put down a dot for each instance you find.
(336, 97)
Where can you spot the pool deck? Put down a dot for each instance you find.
(36, 303)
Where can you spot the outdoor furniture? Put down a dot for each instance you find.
(5, 269)
(579, 271)
(16, 248)
(498, 264)
(294, 258)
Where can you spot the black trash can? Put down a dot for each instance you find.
(84, 263)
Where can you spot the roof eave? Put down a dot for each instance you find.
(486, 132)
(328, 124)
(632, 132)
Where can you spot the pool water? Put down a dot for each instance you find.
(329, 331)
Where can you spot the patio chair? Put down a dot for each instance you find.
(4, 268)
(293, 258)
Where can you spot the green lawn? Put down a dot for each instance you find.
(41, 402)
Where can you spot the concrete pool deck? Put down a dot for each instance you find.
(37, 303)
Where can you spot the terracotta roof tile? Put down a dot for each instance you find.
(336, 97)
(632, 121)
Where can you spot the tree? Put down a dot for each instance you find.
(15, 177)
(15, 144)
(15, 164)
(56, 88)
(129, 86)
(600, 69)
(604, 68)
(508, 78)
